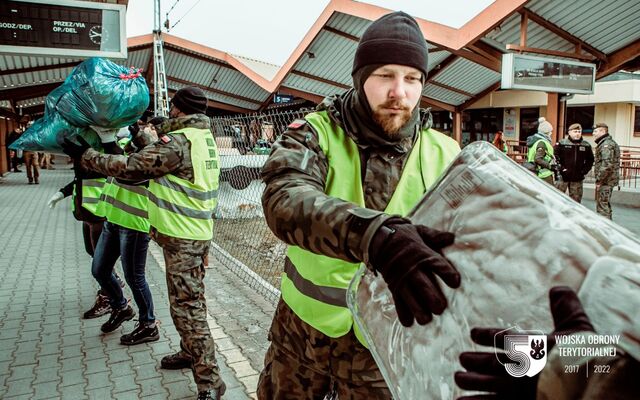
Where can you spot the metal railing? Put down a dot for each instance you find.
(242, 240)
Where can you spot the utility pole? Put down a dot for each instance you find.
(160, 93)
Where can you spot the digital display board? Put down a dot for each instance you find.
(526, 72)
(63, 28)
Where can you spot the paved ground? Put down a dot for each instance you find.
(48, 351)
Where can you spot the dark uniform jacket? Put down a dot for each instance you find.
(607, 166)
(298, 210)
(575, 159)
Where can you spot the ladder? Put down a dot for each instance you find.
(160, 90)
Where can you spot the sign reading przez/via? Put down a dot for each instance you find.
(526, 72)
(63, 28)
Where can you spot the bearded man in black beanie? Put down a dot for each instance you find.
(338, 185)
(182, 167)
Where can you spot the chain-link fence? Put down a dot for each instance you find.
(242, 241)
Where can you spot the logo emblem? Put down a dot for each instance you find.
(527, 353)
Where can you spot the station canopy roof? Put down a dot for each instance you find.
(464, 63)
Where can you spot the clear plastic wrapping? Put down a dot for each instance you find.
(516, 237)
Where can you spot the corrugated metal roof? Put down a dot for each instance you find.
(467, 76)
(333, 58)
(222, 77)
(262, 68)
(606, 25)
(42, 76)
(218, 97)
(444, 95)
(311, 86)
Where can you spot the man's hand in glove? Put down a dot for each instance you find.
(409, 257)
(73, 150)
(55, 199)
(486, 374)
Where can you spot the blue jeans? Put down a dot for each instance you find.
(131, 246)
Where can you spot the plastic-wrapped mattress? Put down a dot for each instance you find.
(516, 237)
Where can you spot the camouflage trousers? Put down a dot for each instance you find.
(184, 260)
(603, 200)
(575, 189)
(303, 363)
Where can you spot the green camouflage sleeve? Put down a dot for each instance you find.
(300, 213)
(153, 161)
(609, 163)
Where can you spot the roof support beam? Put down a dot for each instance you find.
(618, 58)
(494, 65)
(39, 68)
(341, 34)
(479, 96)
(486, 50)
(451, 88)
(319, 79)
(180, 50)
(28, 92)
(222, 106)
(437, 103)
(213, 90)
(524, 26)
(549, 52)
(562, 33)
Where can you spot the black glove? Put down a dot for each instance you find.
(409, 257)
(486, 374)
(73, 150)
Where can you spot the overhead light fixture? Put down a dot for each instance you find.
(311, 55)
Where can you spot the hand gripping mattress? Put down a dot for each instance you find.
(516, 237)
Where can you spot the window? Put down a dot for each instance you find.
(636, 123)
(481, 124)
(583, 116)
(528, 122)
(442, 121)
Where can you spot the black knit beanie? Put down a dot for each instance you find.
(190, 100)
(392, 39)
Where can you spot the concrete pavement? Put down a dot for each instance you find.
(48, 352)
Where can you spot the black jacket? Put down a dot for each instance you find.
(575, 159)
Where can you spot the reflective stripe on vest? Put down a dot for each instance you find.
(531, 157)
(184, 209)
(126, 205)
(91, 191)
(315, 286)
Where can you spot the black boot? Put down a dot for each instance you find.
(212, 394)
(144, 332)
(117, 318)
(178, 360)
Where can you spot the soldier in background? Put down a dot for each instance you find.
(183, 171)
(575, 157)
(607, 168)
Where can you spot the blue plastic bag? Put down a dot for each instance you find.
(100, 92)
(48, 132)
(97, 92)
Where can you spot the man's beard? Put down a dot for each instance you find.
(391, 124)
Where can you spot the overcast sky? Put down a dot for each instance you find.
(269, 30)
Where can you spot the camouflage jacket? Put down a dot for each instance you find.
(298, 210)
(171, 154)
(607, 165)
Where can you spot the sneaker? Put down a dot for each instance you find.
(212, 394)
(141, 334)
(117, 318)
(178, 360)
(100, 308)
